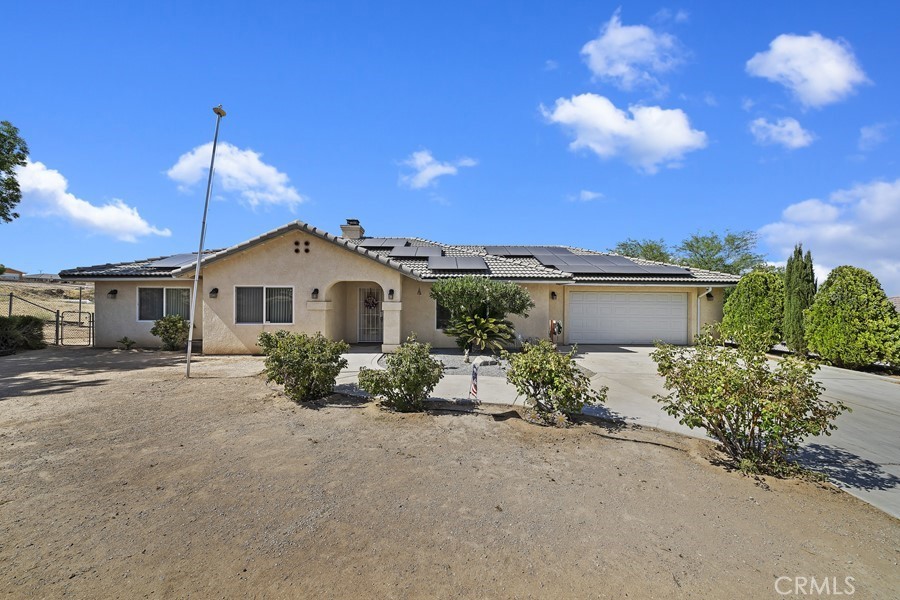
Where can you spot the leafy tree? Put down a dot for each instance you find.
(472, 295)
(760, 413)
(409, 379)
(2, 269)
(173, 331)
(852, 323)
(656, 250)
(732, 253)
(478, 308)
(553, 385)
(13, 153)
(757, 303)
(799, 293)
(307, 365)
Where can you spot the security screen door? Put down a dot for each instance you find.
(371, 319)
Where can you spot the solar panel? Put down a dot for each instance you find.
(415, 252)
(176, 260)
(497, 250)
(471, 263)
(456, 263)
(381, 242)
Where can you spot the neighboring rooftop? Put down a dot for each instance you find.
(896, 301)
(428, 260)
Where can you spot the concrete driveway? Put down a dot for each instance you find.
(862, 456)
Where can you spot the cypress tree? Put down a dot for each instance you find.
(799, 293)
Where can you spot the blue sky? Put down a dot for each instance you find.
(580, 123)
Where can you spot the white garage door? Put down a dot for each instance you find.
(627, 318)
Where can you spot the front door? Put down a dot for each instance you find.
(371, 318)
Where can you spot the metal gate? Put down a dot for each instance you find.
(76, 328)
(68, 328)
(371, 319)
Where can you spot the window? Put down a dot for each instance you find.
(261, 304)
(442, 316)
(155, 303)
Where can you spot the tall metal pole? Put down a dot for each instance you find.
(212, 162)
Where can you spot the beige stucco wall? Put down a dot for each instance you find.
(115, 318)
(276, 263)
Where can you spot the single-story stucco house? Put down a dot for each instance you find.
(376, 290)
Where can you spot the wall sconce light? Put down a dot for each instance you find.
(419, 292)
(315, 294)
(553, 295)
(112, 294)
(214, 293)
(709, 296)
(390, 294)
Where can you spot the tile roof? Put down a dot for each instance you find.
(896, 301)
(498, 267)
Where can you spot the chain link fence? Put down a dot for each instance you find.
(67, 324)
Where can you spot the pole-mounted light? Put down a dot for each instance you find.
(212, 162)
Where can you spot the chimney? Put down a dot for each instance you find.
(352, 230)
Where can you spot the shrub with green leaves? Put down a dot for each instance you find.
(759, 413)
(852, 323)
(758, 303)
(306, 365)
(478, 308)
(172, 330)
(409, 379)
(21, 333)
(483, 333)
(552, 384)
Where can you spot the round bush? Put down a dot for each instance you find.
(757, 303)
(852, 323)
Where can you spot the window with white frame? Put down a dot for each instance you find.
(263, 304)
(156, 302)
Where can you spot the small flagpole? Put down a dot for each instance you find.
(219, 114)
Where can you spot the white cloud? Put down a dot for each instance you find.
(237, 170)
(817, 70)
(872, 136)
(786, 132)
(859, 226)
(585, 196)
(550, 65)
(427, 169)
(45, 192)
(650, 137)
(631, 55)
(747, 104)
(665, 15)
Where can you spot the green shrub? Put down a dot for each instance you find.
(473, 331)
(851, 323)
(173, 331)
(306, 365)
(21, 333)
(552, 384)
(478, 308)
(127, 342)
(409, 379)
(759, 413)
(758, 303)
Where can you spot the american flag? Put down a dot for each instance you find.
(473, 391)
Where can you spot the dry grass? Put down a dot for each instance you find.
(52, 296)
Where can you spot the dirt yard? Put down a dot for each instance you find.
(119, 478)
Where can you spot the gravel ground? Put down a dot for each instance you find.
(119, 478)
(454, 363)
